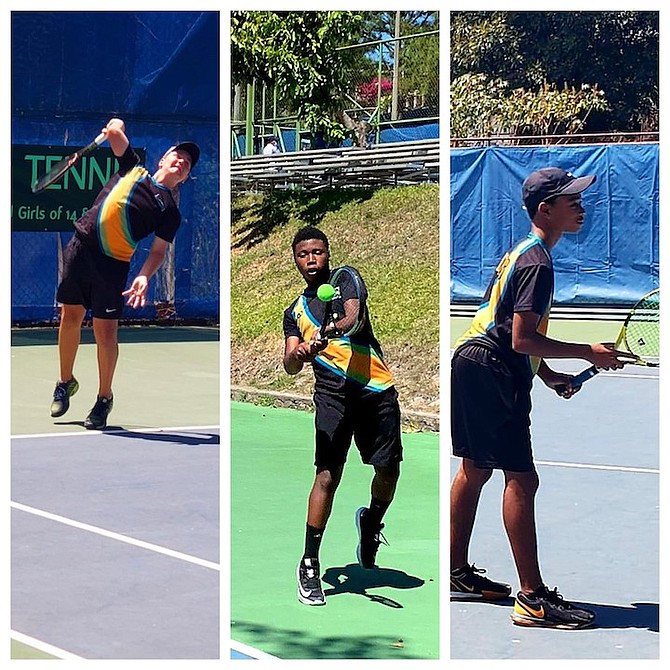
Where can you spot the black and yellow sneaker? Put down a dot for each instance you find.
(62, 394)
(547, 609)
(468, 583)
(97, 417)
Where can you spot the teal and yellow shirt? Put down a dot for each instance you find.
(354, 362)
(130, 207)
(522, 282)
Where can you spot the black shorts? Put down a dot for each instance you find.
(373, 420)
(490, 411)
(93, 280)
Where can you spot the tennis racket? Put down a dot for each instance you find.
(639, 336)
(58, 170)
(345, 297)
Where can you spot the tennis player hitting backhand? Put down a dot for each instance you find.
(132, 205)
(492, 373)
(364, 406)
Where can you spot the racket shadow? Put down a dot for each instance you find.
(356, 580)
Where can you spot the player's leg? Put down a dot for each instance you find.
(69, 338)
(480, 389)
(535, 605)
(107, 348)
(519, 520)
(321, 497)
(333, 437)
(73, 296)
(106, 333)
(379, 441)
(466, 489)
(110, 277)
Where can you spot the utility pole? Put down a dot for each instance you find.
(396, 68)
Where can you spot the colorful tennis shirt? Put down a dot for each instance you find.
(130, 207)
(523, 282)
(355, 361)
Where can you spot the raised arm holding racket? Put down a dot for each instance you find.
(328, 327)
(132, 205)
(493, 368)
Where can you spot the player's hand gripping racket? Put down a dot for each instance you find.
(345, 297)
(58, 170)
(639, 336)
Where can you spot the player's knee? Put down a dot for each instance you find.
(389, 474)
(475, 475)
(327, 481)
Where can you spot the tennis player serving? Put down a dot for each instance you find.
(493, 367)
(354, 395)
(132, 205)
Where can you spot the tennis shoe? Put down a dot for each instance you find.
(62, 394)
(468, 583)
(369, 538)
(547, 609)
(310, 591)
(97, 417)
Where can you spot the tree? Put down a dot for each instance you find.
(297, 54)
(612, 53)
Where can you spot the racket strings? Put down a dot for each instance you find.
(643, 337)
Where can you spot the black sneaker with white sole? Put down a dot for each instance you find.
(310, 591)
(97, 417)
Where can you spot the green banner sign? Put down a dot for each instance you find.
(61, 204)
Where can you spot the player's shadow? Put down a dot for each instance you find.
(186, 437)
(354, 579)
(636, 615)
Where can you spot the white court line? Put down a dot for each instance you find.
(251, 651)
(593, 466)
(44, 646)
(117, 536)
(180, 429)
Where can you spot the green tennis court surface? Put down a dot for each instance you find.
(388, 613)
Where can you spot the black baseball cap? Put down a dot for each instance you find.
(191, 148)
(550, 182)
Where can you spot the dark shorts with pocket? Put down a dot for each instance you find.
(371, 419)
(490, 411)
(92, 279)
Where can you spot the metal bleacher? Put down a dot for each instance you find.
(389, 164)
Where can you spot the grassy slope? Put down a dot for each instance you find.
(390, 235)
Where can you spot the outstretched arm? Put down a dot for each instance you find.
(138, 289)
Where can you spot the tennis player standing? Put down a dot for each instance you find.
(493, 367)
(132, 205)
(347, 405)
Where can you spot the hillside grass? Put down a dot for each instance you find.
(391, 235)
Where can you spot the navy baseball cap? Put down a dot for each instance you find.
(191, 148)
(550, 182)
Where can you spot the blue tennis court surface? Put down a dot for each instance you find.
(115, 543)
(598, 527)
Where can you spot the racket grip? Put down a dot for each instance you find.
(579, 379)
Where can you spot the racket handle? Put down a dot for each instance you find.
(579, 379)
(93, 145)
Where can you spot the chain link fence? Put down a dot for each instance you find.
(391, 83)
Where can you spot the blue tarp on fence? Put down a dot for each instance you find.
(159, 72)
(613, 260)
